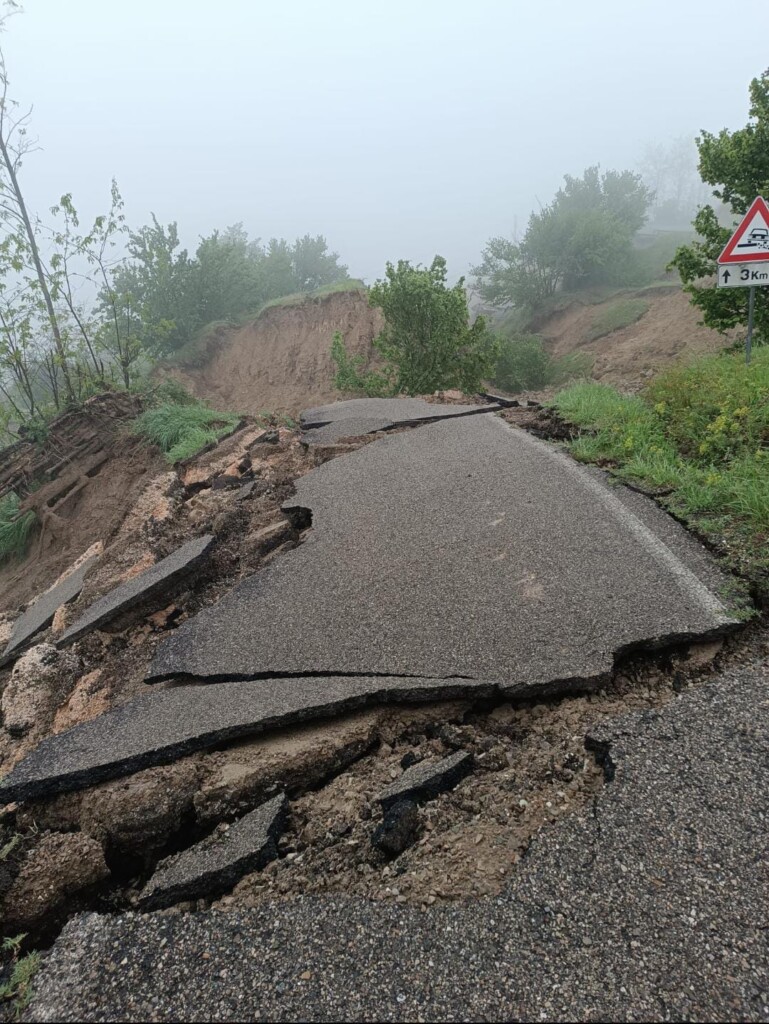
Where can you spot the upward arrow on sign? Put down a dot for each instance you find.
(750, 242)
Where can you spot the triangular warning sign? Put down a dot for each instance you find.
(750, 242)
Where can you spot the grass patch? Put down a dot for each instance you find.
(17, 989)
(15, 529)
(181, 431)
(616, 316)
(699, 437)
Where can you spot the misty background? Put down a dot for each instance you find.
(397, 130)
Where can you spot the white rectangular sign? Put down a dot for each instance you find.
(743, 275)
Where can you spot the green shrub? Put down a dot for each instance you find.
(615, 316)
(15, 529)
(182, 430)
(523, 365)
(351, 379)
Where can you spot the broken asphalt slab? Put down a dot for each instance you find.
(463, 549)
(427, 779)
(40, 614)
(162, 726)
(328, 423)
(158, 579)
(214, 865)
(651, 903)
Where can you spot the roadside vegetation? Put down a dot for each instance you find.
(427, 344)
(16, 989)
(89, 308)
(182, 430)
(697, 438)
(524, 365)
(15, 528)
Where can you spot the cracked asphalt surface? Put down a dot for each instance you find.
(328, 423)
(464, 548)
(650, 904)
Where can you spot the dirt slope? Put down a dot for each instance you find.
(667, 332)
(281, 362)
(81, 483)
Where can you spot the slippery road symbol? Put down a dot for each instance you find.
(757, 239)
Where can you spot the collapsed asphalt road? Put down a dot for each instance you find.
(460, 549)
(463, 551)
(650, 904)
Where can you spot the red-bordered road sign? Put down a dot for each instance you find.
(750, 242)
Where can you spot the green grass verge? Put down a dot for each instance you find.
(181, 431)
(615, 316)
(15, 529)
(698, 437)
(17, 989)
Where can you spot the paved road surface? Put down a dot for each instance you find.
(461, 549)
(651, 905)
(328, 423)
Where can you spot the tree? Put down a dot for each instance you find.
(583, 237)
(21, 240)
(427, 339)
(228, 279)
(736, 164)
(160, 286)
(314, 266)
(670, 171)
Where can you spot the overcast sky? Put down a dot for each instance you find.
(397, 128)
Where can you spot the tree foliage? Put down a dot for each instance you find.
(736, 164)
(428, 339)
(427, 344)
(174, 294)
(582, 238)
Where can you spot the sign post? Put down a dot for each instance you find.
(744, 263)
(751, 307)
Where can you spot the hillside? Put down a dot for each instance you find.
(281, 361)
(669, 330)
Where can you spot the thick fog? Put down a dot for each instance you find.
(397, 129)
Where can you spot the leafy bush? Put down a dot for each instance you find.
(523, 365)
(616, 316)
(182, 430)
(428, 342)
(700, 433)
(351, 379)
(15, 529)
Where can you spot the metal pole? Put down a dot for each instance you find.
(749, 339)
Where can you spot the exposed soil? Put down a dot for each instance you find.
(668, 331)
(281, 361)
